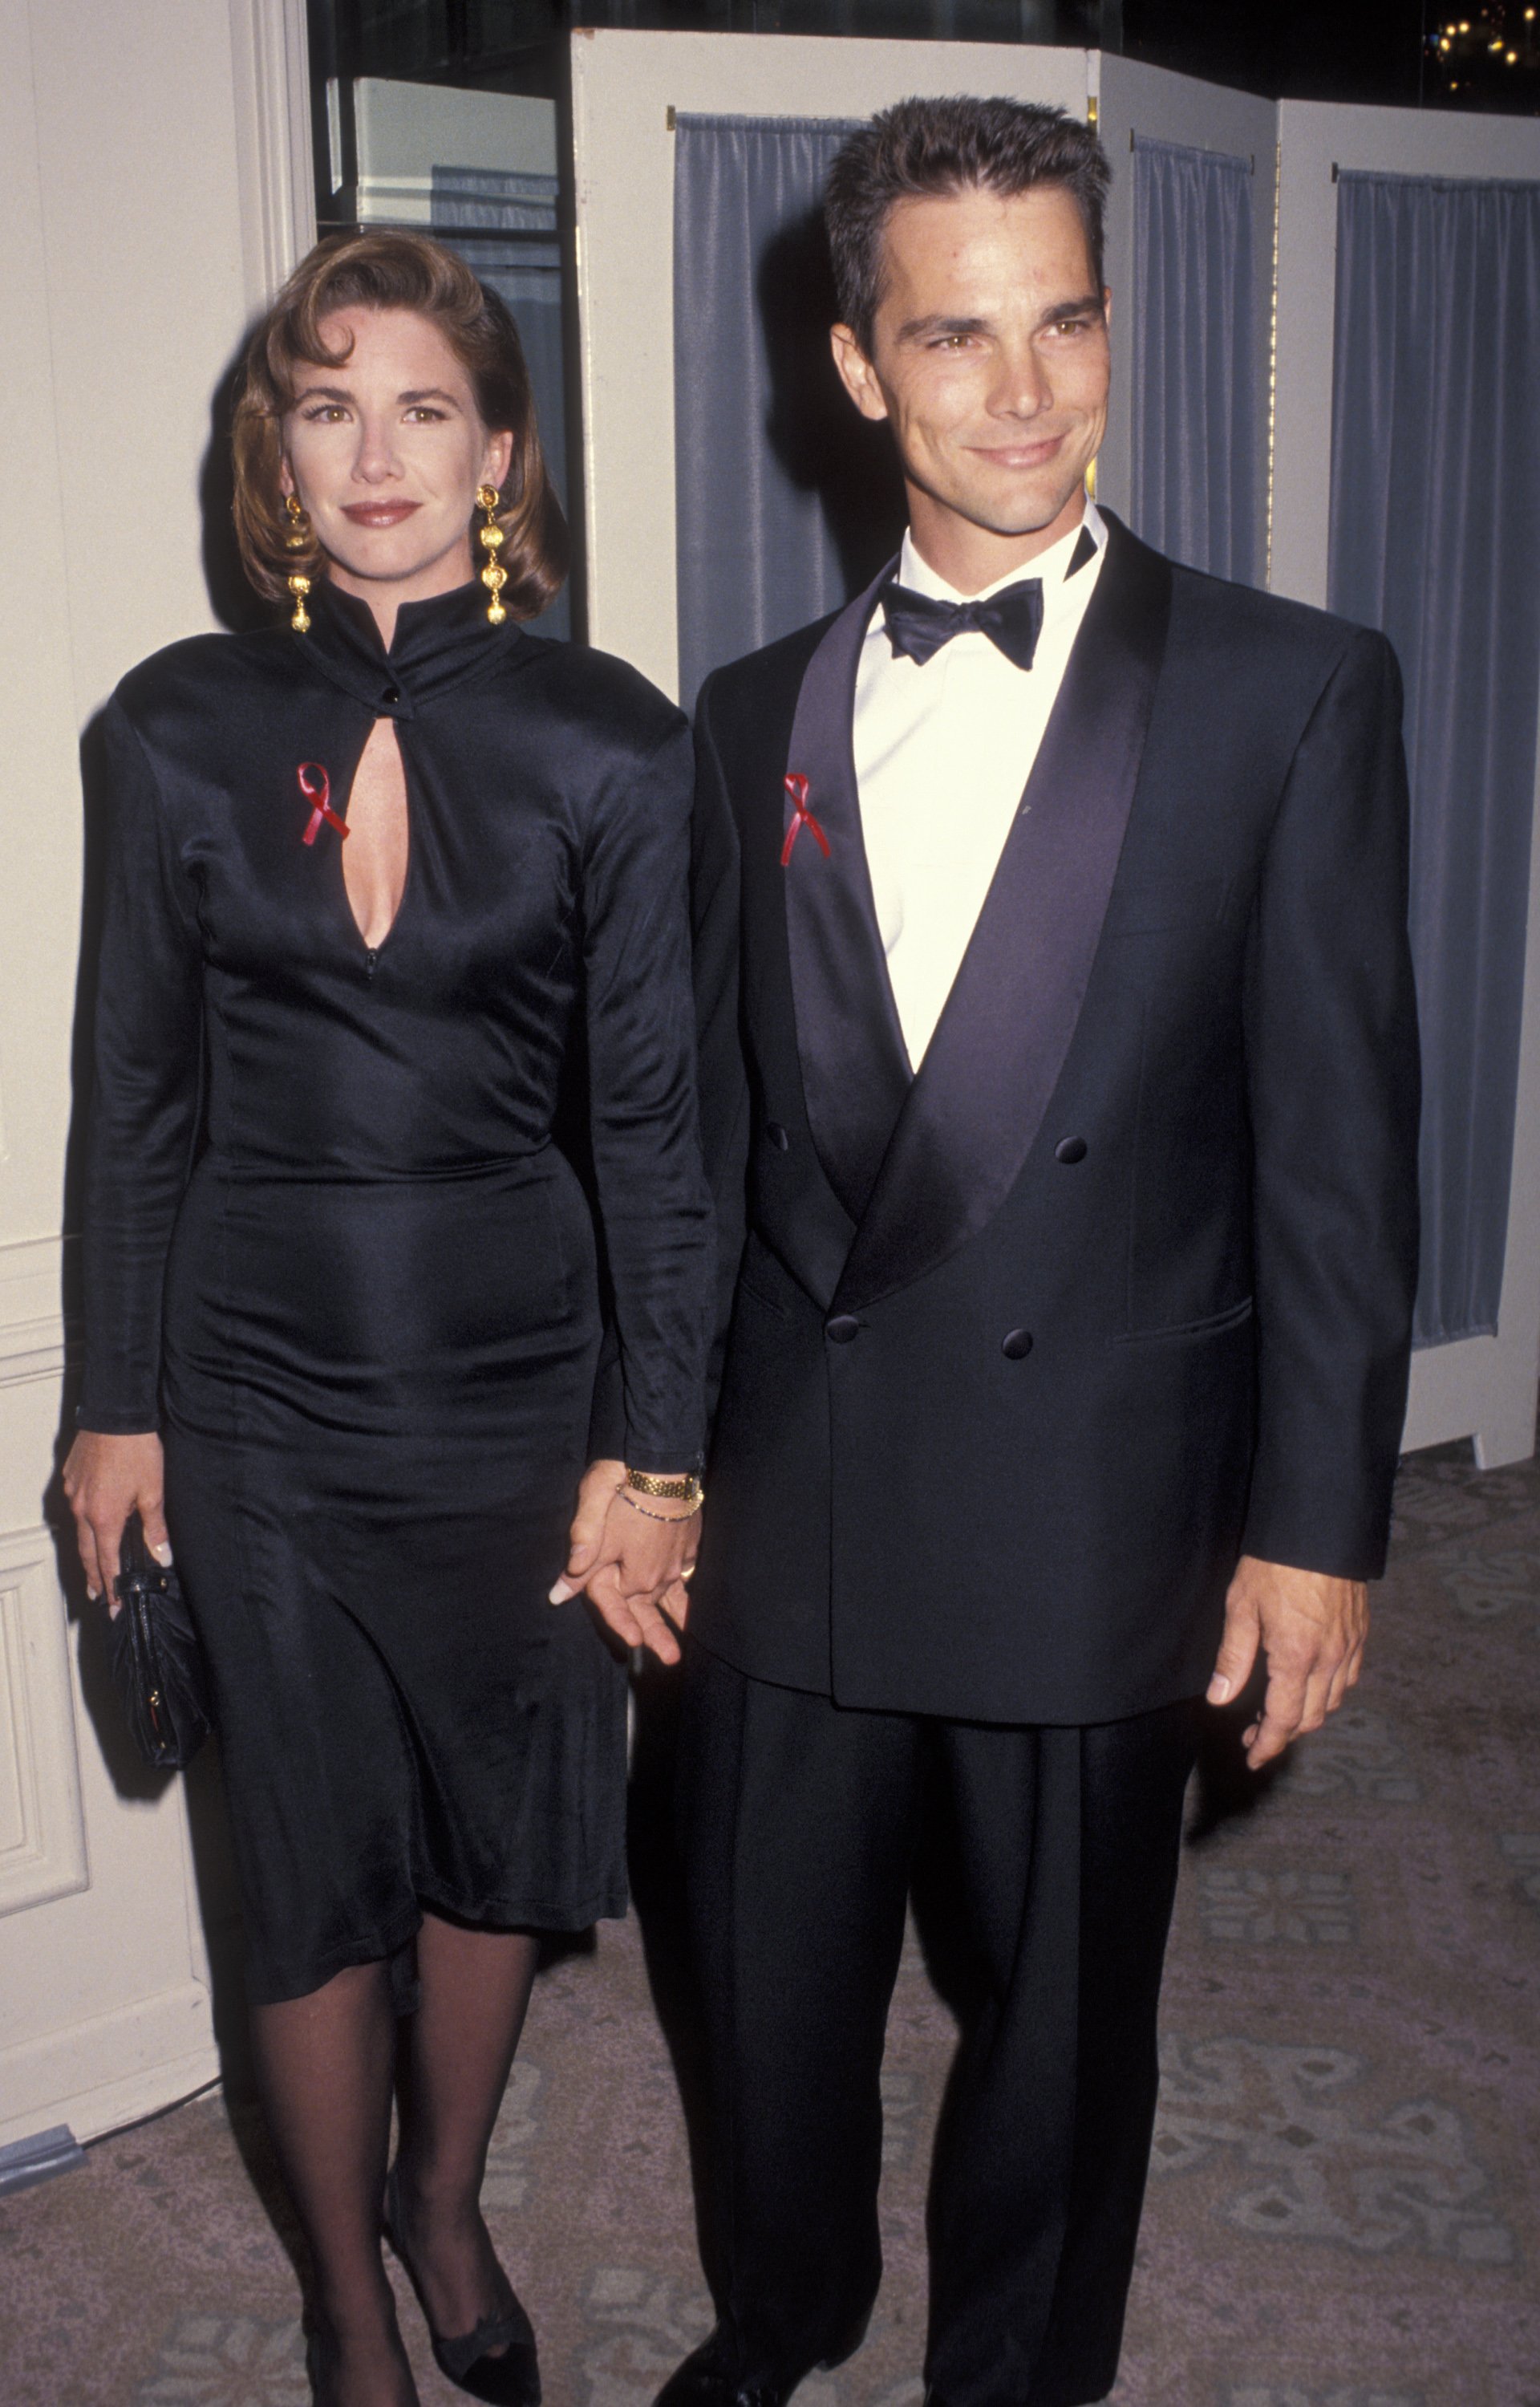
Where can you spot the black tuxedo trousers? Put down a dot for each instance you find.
(803, 1821)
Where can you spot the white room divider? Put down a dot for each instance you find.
(1482, 1386)
(1149, 103)
(626, 90)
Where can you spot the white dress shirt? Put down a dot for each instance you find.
(943, 749)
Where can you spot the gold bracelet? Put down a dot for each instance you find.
(672, 1520)
(686, 1490)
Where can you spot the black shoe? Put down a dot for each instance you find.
(509, 2379)
(704, 2380)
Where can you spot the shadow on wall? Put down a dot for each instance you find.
(233, 602)
(823, 444)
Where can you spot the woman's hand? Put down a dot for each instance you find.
(106, 1478)
(632, 1563)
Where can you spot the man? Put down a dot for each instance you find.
(1059, 1046)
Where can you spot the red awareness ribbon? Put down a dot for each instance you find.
(801, 818)
(309, 773)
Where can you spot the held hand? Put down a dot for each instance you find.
(593, 1498)
(632, 1561)
(1312, 1629)
(106, 1479)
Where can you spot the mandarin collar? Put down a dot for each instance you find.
(438, 644)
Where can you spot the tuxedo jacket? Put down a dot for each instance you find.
(1020, 1354)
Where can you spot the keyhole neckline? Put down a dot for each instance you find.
(374, 946)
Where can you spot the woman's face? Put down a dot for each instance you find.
(385, 451)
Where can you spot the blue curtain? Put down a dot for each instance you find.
(1194, 331)
(504, 226)
(1436, 537)
(788, 501)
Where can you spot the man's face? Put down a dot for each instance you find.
(989, 357)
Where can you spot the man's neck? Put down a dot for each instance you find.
(970, 557)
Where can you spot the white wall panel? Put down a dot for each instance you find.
(153, 184)
(42, 1826)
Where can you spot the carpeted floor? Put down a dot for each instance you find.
(1344, 2208)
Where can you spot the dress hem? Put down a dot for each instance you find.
(610, 1905)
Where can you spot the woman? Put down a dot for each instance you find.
(381, 880)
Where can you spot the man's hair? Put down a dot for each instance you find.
(932, 148)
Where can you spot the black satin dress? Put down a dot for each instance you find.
(335, 1254)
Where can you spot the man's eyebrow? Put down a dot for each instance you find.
(916, 330)
(1088, 305)
(923, 330)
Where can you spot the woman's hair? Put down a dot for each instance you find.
(921, 149)
(391, 270)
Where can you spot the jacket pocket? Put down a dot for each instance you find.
(1212, 1324)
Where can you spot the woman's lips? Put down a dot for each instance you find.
(378, 514)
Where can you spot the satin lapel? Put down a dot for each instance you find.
(975, 1107)
(856, 1073)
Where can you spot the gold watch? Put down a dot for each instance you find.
(686, 1491)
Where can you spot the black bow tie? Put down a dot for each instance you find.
(918, 625)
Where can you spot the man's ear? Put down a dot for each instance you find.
(857, 373)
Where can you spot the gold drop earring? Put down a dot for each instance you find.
(491, 537)
(299, 538)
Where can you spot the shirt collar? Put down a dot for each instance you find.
(1052, 565)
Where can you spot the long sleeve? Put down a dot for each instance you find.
(144, 1100)
(1333, 1088)
(714, 888)
(653, 1198)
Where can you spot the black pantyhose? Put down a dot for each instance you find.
(326, 2065)
(476, 1988)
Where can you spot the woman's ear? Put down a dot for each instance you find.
(286, 478)
(499, 456)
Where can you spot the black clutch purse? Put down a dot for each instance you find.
(158, 1666)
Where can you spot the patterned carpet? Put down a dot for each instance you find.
(1345, 2209)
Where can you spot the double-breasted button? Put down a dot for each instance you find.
(776, 1135)
(842, 1328)
(1016, 1345)
(391, 696)
(1070, 1149)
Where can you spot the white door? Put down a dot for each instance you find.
(124, 287)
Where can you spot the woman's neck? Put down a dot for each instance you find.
(383, 597)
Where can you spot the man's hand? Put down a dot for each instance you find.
(106, 1479)
(631, 1562)
(1312, 1629)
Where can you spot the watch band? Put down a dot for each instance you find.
(686, 1491)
